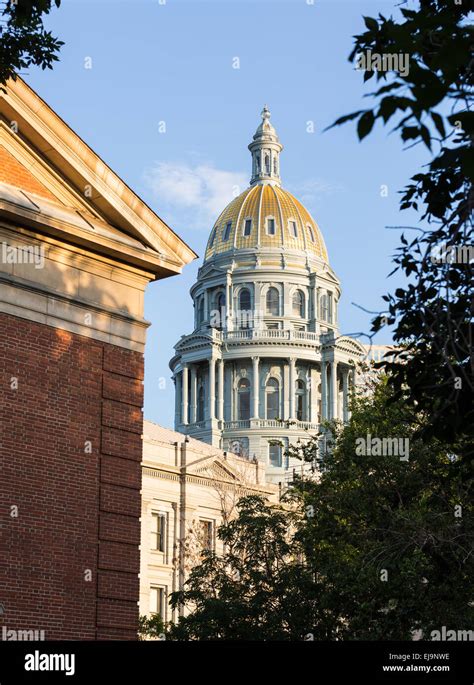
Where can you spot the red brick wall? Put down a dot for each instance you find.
(76, 511)
(14, 173)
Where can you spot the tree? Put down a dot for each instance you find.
(151, 627)
(390, 526)
(430, 98)
(24, 40)
(258, 589)
(377, 547)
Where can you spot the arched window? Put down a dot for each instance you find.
(219, 314)
(300, 391)
(200, 318)
(213, 237)
(275, 168)
(243, 399)
(272, 393)
(298, 303)
(311, 233)
(273, 301)
(245, 303)
(257, 159)
(245, 308)
(200, 404)
(267, 164)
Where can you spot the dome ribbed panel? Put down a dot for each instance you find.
(290, 213)
(258, 203)
(249, 211)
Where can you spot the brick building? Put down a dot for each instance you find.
(77, 250)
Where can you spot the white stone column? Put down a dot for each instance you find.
(345, 395)
(255, 386)
(206, 305)
(324, 395)
(193, 393)
(220, 390)
(312, 395)
(184, 395)
(292, 362)
(229, 308)
(177, 400)
(212, 387)
(334, 390)
(286, 391)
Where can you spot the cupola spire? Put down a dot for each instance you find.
(265, 149)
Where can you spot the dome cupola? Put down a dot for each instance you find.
(265, 149)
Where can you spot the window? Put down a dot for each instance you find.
(201, 311)
(157, 601)
(274, 453)
(158, 532)
(300, 400)
(245, 308)
(244, 300)
(267, 164)
(273, 301)
(298, 303)
(271, 226)
(275, 167)
(206, 534)
(311, 233)
(200, 404)
(247, 227)
(243, 392)
(220, 311)
(213, 237)
(272, 392)
(293, 229)
(228, 226)
(273, 326)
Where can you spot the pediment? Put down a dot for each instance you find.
(215, 468)
(47, 161)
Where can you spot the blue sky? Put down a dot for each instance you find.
(173, 62)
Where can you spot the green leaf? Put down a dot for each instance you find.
(365, 124)
(371, 23)
(438, 122)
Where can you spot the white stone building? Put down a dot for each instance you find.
(265, 362)
(188, 489)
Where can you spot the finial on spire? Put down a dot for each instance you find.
(265, 148)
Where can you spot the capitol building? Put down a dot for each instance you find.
(265, 363)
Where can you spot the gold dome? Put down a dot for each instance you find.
(266, 216)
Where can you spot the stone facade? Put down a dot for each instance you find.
(188, 489)
(265, 363)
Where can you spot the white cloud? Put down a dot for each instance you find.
(313, 189)
(200, 192)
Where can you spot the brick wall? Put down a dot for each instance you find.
(14, 173)
(67, 514)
